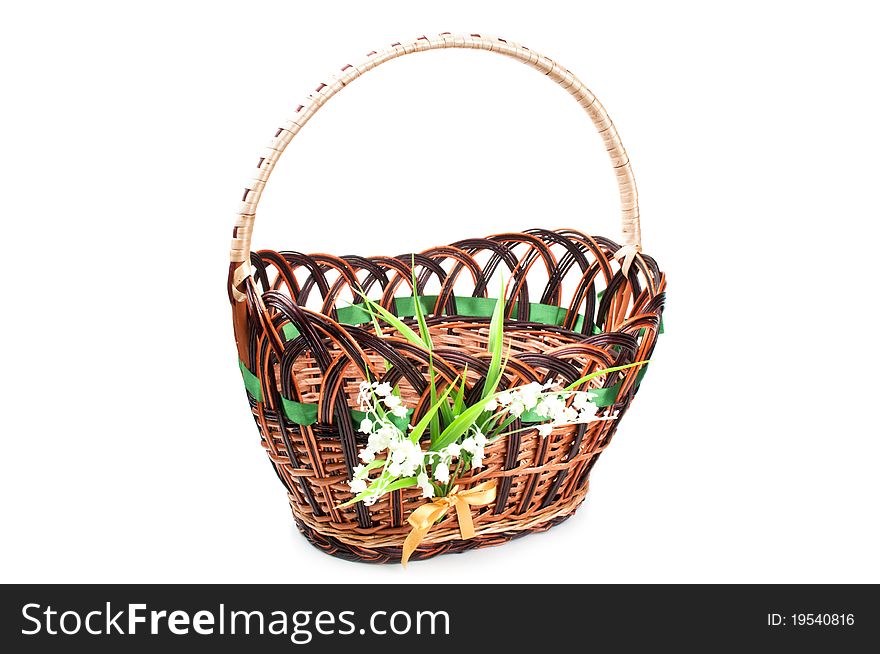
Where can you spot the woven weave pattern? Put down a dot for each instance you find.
(541, 480)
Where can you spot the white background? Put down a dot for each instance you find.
(128, 451)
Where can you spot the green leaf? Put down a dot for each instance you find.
(420, 314)
(496, 345)
(376, 326)
(445, 410)
(462, 423)
(449, 412)
(496, 422)
(598, 373)
(504, 425)
(435, 421)
(426, 339)
(378, 329)
(419, 429)
(394, 321)
(372, 465)
(403, 482)
(458, 406)
(497, 320)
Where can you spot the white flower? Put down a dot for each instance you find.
(383, 389)
(582, 401)
(504, 398)
(479, 438)
(407, 456)
(587, 413)
(367, 455)
(491, 405)
(383, 437)
(517, 407)
(425, 484)
(389, 431)
(477, 460)
(530, 394)
(366, 426)
(357, 486)
(543, 408)
(358, 471)
(441, 473)
(402, 448)
(377, 442)
(409, 468)
(391, 401)
(453, 449)
(363, 397)
(370, 500)
(393, 469)
(469, 444)
(552, 406)
(399, 411)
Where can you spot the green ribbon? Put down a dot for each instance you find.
(472, 307)
(405, 307)
(602, 397)
(251, 382)
(299, 413)
(307, 414)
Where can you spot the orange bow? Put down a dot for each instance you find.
(424, 517)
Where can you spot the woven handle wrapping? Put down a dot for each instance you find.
(241, 236)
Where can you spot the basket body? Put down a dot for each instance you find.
(541, 480)
(575, 305)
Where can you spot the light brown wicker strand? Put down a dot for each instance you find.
(241, 239)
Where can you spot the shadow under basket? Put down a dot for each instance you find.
(575, 304)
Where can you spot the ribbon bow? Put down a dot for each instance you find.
(424, 517)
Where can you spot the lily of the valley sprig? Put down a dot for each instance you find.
(459, 430)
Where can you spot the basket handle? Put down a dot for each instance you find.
(241, 236)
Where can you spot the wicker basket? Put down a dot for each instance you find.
(303, 345)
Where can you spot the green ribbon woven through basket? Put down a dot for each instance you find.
(472, 307)
(475, 307)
